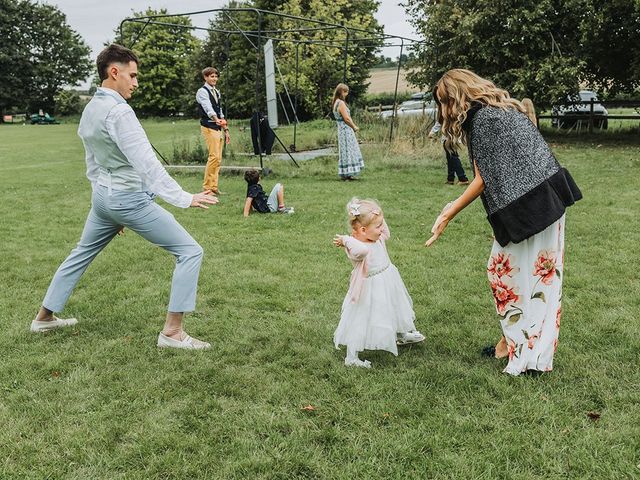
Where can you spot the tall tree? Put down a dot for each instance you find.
(610, 44)
(234, 54)
(543, 49)
(165, 53)
(515, 44)
(320, 65)
(39, 55)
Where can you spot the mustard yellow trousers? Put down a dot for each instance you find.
(214, 140)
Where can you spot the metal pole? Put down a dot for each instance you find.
(295, 99)
(137, 36)
(395, 93)
(226, 68)
(259, 52)
(346, 50)
(591, 115)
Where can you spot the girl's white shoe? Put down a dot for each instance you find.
(356, 362)
(409, 337)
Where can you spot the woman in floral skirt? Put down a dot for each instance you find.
(525, 193)
(350, 160)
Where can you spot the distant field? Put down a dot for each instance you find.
(384, 80)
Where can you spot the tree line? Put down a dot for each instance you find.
(543, 49)
(39, 54)
(42, 55)
(172, 57)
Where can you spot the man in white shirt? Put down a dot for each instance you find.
(212, 126)
(125, 176)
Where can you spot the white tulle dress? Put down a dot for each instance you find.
(377, 305)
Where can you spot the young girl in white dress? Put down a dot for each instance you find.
(377, 313)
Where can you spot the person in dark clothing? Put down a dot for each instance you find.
(454, 165)
(257, 199)
(262, 136)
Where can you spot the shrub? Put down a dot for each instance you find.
(68, 102)
(185, 153)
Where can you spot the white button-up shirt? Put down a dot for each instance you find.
(125, 130)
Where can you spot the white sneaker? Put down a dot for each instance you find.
(356, 362)
(187, 343)
(409, 337)
(39, 326)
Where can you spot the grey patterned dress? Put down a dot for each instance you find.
(350, 160)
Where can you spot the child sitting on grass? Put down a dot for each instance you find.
(258, 200)
(377, 313)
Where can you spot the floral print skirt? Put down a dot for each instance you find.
(526, 281)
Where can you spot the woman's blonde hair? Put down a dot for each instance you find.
(337, 93)
(362, 212)
(529, 110)
(455, 92)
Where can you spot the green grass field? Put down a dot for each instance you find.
(100, 401)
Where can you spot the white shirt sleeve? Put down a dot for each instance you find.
(92, 167)
(202, 97)
(126, 131)
(435, 129)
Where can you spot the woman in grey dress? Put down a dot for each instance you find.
(350, 160)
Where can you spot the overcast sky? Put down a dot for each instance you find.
(95, 20)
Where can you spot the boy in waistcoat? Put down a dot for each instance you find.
(212, 126)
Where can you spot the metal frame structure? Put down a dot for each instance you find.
(350, 37)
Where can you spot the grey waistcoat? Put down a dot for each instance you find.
(115, 170)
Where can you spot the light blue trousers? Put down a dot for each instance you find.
(137, 212)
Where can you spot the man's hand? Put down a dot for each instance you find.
(203, 199)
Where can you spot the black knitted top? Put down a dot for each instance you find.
(526, 189)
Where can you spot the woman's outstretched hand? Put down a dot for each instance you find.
(450, 210)
(438, 227)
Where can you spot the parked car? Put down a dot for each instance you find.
(42, 119)
(419, 104)
(600, 113)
